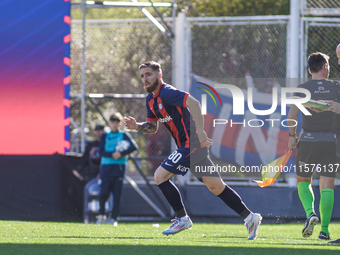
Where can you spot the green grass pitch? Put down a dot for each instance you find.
(18, 237)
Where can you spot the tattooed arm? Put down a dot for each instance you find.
(149, 127)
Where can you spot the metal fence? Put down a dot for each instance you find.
(321, 7)
(224, 49)
(320, 34)
(114, 50)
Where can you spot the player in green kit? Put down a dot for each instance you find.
(316, 146)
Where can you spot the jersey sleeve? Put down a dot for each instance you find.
(149, 114)
(175, 97)
(133, 145)
(299, 94)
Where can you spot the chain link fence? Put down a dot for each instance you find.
(321, 7)
(114, 50)
(224, 51)
(331, 4)
(321, 34)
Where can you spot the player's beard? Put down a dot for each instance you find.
(152, 87)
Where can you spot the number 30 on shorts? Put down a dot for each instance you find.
(175, 156)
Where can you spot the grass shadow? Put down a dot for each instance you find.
(103, 249)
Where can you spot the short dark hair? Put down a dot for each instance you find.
(116, 117)
(99, 127)
(152, 64)
(316, 61)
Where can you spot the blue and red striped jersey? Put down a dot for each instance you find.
(169, 107)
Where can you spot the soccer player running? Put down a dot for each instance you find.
(316, 147)
(181, 114)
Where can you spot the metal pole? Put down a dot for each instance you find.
(147, 182)
(305, 52)
(302, 54)
(174, 60)
(288, 34)
(171, 34)
(174, 65)
(180, 51)
(145, 197)
(83, 95)
(188, 56)
(173, 42)
(98, 110)
(294, 43)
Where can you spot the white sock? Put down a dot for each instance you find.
(248, 218)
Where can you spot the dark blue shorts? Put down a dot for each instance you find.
(183, 160)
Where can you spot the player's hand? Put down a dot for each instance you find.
(204, 140)
(316, 109)
(334, 106)
(292, 143)
(130, 122)
(116, 155)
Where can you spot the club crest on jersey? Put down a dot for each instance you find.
(166, 119)
(160, 106)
